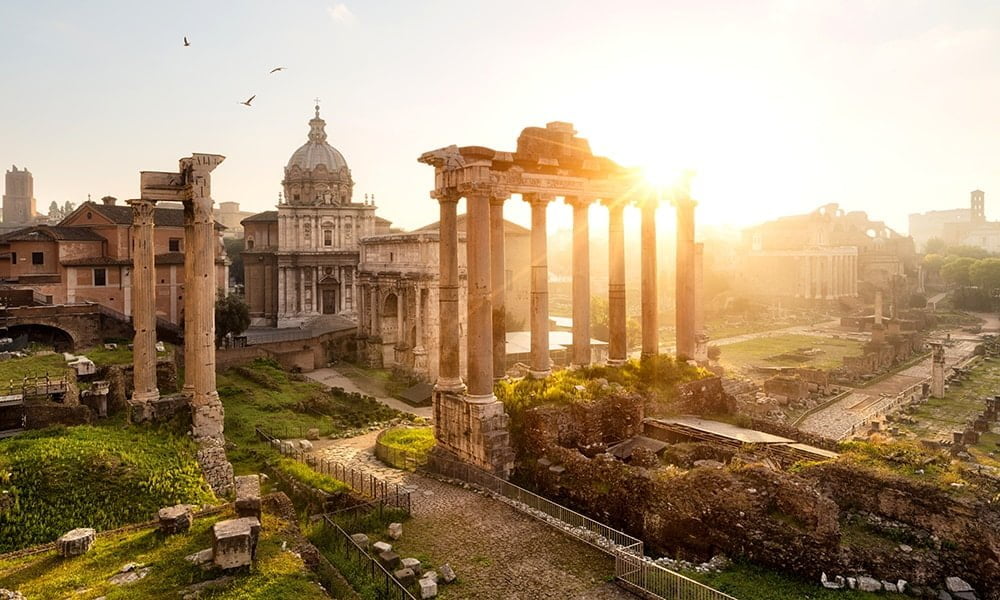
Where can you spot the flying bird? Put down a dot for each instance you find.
(248, 100)
(276, 69)
(186, 42)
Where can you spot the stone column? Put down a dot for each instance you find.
(206, 408)
(479, 342)
(143, 308)
(878, 307)
(341, 297)
(541, 364)
(362, 316)
(498, 271)
(685, 310)
(650, 333)
(581, 280)
(190, 302)
(617, 326)
(449, 378)
(830, 279)
(937, 371)
(699, 282)
(300, 306)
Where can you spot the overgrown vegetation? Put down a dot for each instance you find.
(410, 439)
(750, 582)
(57, 479)
(902, 458)
(308, 476)
(277, 572)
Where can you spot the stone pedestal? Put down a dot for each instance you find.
(76, 542)
(474, 432)
(234, 542)
(175, 519)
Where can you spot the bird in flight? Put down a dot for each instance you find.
(248, 100)
(186, 42)
(276, 69)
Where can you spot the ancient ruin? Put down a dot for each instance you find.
(191, 185)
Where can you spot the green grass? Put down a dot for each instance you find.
(276, 574)
(938, 417)
(749, 582)
(61, 478)
(769, 351)
(308, 476)
(119, 356)
(419, 440)
(17, 369)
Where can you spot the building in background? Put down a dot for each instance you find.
(18, 197)
(959, 226)
(231, 217)
(301, 260)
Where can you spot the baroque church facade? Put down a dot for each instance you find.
(301, 260)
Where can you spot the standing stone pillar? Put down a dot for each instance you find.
(581, 280)
(878, 307)
(419, 350)
(617, 326)
(206, 408)
(498, 272)
(449, 378)
(143, 309)
(479, 343)
(685, 310)
(937, 371)
(540, 361)
(650, 333)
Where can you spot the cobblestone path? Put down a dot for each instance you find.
(496, 551)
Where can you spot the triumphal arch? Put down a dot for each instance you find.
(549, 163)
(190, 185)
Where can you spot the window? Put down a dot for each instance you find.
(250, 244)
(392, 256)
(327, 237)
(100, 277)
(174, 245)
(38, 258)
(13, 258)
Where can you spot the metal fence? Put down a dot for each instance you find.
(386, 586)
(633, 570)
(361, 482)
(398, 457)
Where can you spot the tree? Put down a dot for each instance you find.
(232, 316)
(985, 274)
(935, 246)
(955, 270)
(599, 319)
(234, 250)
(933, 262)
(55, 213)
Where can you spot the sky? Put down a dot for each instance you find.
(779, 106)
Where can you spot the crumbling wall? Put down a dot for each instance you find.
(705, 397)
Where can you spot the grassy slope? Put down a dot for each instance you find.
(276, 574)
(100, 477)
(756, 352)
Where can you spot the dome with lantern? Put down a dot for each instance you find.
(317, 173)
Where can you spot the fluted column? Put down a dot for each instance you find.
(498, 270)
(581, 280)
(540, 361)
(479, 341)
(685, 290)
(143, 303)
(650, 333)
(449, 378)
(617, 326)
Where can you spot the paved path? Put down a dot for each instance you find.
(496, 551)
(332, 377)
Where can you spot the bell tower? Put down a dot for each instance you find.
(978, 207)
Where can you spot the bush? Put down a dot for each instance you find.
(60, 478)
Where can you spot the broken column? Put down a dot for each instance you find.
(685, 290)
(498, 272)
(581, 280)
(199, 327)
(143, 311)
(540, 362)
(617, 326)
(650, 332)
(937, 371)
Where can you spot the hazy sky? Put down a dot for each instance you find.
(887, 106)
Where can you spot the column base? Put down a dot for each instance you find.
(474, 432)
(617, 362)
(533, 374)
(480, 399)
(145, 397)
(449, 385)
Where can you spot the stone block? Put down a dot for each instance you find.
(395, 530)
(957, 584)
(76, 542)
(361, 540)
(247, 496)
(869, 584)
(405, 576)
(381, 547)
(447, 573)
(305, 445)
(234, 542)
(312, 433)
(943, 595)
(428, 588)
(432, 575)
(413, 565)
(888, 586)
(902, 586)
(201, 557)
(175, 519)
(389, 559)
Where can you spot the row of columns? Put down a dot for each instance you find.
(292, 287)
(486, 351)
(829, 276)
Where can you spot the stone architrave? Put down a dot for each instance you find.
(650, 329)
(617, 319)
(143, 309)
(581, 280)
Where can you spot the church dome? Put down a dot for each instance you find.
(316, 151)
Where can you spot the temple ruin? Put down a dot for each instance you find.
(191, 186)
(549, 163)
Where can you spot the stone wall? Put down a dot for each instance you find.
(39, 415)
(705, 397)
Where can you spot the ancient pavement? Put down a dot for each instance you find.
(496, 551)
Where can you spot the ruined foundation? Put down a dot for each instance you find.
(474, 432)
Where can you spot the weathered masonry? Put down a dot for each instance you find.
(549, 162)
(191, 185)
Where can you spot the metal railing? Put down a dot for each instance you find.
(386, 586)
(633, 570)
(400, 458)
(360, 481)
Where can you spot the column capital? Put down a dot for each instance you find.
(142, 211)
(613, 203)
(446, 196)
(578, 201)
(535, 198)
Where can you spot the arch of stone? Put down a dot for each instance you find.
(549, 163)
(190, 185)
